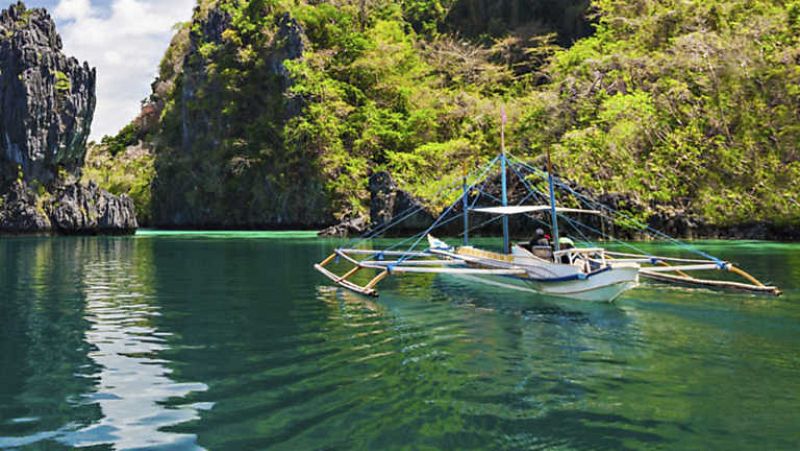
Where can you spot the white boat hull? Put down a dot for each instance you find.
(602, 287)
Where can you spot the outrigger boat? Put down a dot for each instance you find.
(590, 273)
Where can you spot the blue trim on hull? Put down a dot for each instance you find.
(580, 276)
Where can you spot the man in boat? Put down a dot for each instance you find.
(540, 239)
(540, 245)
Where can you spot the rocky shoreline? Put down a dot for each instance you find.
(388, 202)
(69, 210)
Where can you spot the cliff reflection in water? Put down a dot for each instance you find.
(83, 365)
(233, 341)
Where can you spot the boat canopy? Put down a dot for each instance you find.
(522, 209)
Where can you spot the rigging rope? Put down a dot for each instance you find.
(595, 204)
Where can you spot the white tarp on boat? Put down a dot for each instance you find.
(521, 209)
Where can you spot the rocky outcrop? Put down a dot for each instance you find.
(47, 103)
(73, 209)
(47, 100)
(389, 203)
(88, 210)
(221, 157)
(347, 227)
(567, 18)
(21, 211)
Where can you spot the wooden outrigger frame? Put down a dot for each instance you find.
(662, 267)
(435, 260)
(390, 267)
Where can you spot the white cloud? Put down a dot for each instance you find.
(73, 9)
(125, 42)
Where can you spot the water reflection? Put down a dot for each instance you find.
(181, 342)
(112, 392)
(485, 367)
(44, 359)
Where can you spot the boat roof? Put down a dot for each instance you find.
(521, 209)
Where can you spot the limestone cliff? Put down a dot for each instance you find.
(48, 99)
(279, 114)
(47, 103)
(218, 155)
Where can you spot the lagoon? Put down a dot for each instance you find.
(230, 340)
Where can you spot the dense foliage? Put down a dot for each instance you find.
(693, 104)
(122, 172)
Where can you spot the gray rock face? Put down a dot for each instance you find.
(389, 203)
(20, 212)
(47, 103)
(289, 45)
(88, 209)
(47, 100)
(74, 209)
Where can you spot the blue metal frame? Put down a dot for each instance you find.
(504, 200)
(553, 212)
(465, 206)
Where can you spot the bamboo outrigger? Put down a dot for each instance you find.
(589, 273)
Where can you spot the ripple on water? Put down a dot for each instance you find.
(159, 342)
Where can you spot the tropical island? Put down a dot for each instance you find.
(503, 188)
(280, 115)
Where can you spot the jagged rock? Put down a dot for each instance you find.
(348, 227)
(47, 103)
(195, 121)
(47, 100)
(20, 211)
(388, 203)
(73, 209)
(88, 209)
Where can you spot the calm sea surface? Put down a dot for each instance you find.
(232, 341)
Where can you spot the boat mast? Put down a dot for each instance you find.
(465, 205)
(553, 214)
(506, 247)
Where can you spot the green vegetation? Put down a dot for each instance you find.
(129, 172)
(63, 83)
(692, 104)
(126, 137)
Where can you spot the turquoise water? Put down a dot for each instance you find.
(232, 341)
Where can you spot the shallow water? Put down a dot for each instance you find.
(232, 341)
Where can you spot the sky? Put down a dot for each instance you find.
(124, 40)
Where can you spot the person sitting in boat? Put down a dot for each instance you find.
(540, 245)
(540, 239)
